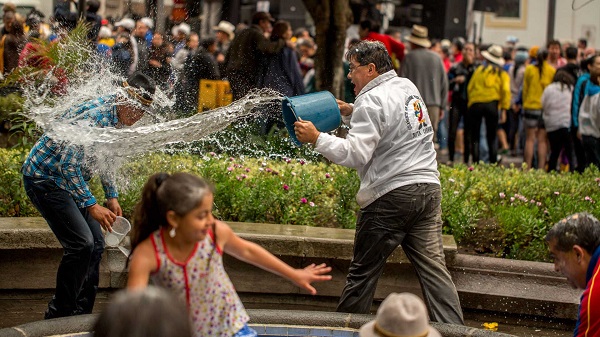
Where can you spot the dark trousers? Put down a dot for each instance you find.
(579, 152)
(409, 216)
(477, 112)
(80, 235)
(457, 111)
(591, 147)
(560, 140)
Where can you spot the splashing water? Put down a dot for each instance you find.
(107, 149)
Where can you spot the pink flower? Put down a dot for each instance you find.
(512, 199)
(264, 164)
(247, 169)
(212, 154)
(303, 200)
(545, 211)
(275, 173)
(302, 162)
(230, 168)
(451, 180)
(532, 201)
(286, 187)
(597, 180)
(268, 169)
(471, 168)
(294, 174)
(242, 177)
(231, 159)
(327, 175)
(288, 160)
(556, 193)
(539, 204)
(501, 195)
(312, 204)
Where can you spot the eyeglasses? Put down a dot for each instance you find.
(352, 69)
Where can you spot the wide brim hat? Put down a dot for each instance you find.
(226, 27)
(140, 87)
(494, 54)
(370, 330)
(402, 314)
(126, 23)
(419, 36)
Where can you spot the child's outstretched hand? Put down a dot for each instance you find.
(312, 273)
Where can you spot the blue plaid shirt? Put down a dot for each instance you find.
(65, 163)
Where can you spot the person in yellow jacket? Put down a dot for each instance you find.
(488, 92)
(537, 77)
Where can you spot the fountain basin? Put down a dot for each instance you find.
(272, 323)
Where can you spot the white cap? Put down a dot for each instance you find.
(184, 28)
(104, 32)
(126, 23)
(148, 22)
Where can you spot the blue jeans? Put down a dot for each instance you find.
(80, 235)
(410, 216)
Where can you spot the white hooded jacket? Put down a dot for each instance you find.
(390, 142)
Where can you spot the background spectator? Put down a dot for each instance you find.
(150, 312)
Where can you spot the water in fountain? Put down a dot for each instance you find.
(106, 149)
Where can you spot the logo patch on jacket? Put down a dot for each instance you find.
(416, 116)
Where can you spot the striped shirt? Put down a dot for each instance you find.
(588, 322)
(65, 163)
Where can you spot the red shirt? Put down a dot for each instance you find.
(393, 46)
(588, 322)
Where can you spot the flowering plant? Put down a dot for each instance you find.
(504, 212)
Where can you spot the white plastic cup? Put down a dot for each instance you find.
(120, 228)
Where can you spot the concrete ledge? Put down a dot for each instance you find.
(85, 323)
(29, 256)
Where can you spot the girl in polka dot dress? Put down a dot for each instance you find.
(178, 244)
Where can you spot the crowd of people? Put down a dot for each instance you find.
(529, 98)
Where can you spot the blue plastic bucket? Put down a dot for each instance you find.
(319, 107)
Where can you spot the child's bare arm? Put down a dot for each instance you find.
(143, 262)
(254, 254)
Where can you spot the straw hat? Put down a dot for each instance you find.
(184, 28)
(148, 22)
(400, 315)
(494, 54)
(226, 27)
(126, 23)
(418, 36)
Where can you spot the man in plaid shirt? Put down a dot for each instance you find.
(55, 177)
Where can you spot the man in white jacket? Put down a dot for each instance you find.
(390, 145)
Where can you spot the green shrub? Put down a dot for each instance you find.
(505, 212)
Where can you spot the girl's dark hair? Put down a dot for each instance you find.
(180, 192)
(279, 29)
(564, 78)
(365, 52)
(542, 55)
(151, 312)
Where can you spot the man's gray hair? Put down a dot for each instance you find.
(581, 229)
(365, 52)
